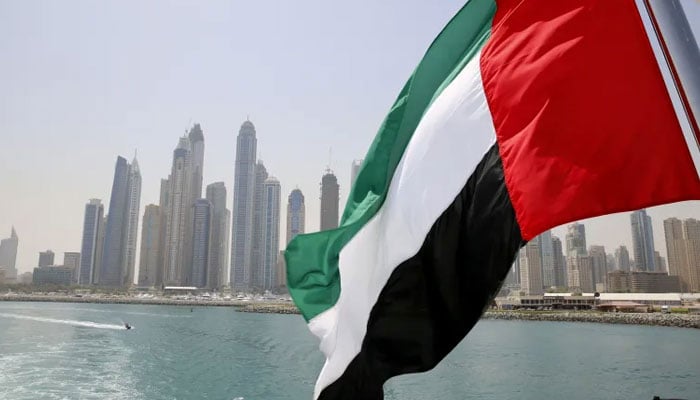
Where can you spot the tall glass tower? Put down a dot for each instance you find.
(243, 197)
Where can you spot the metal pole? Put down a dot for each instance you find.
(682, 54)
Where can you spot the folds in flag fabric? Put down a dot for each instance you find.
(522, 115)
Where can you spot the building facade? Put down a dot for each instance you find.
(200, 251)
(71, 259)
(217, 273)
(559, 263)
(256, 265)
(642, 241)
(91, 246)
(271, 232)
(8, 256)
(547, 257)
(531, 267)
(119, 249)
(46, 258)
(132, 228)
(296, 214)
(176, 269)
(354, 170)
(54, 275)
(622, 259)
(150, 241)
(242, 209)
(330, 196)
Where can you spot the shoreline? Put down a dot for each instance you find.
(276, 307)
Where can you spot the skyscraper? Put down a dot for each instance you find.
(217, 273)
(330, 192)
(256, 254)
(642, 241)
(196, 139)
(547, 258)
(132, 213)
(176, 269)
(150, 241)
(114, 252)
(296, 214)
(354, 169)
(71, 259)
(90, 248)
(200, 249)
(8, 256)
(559, 263)
(691, 232)
(683, 250)
(271, 231)
(101, 229)
(243, 197)
(163, 210)
(622, 259)
(599, 265)
(119, 252)
(46, 258)
(575, 239)
(531, 267)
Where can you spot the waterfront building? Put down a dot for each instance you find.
(71, 259)
(46, 258)
(559, 263)
(150, 241)
(642, 241)
(296, 214)
(330, 195)
(257, 262)
(8, 256)
(176, 269)
(622, 259)
(599, 266)
(90, 248)
(642, 282)
(271, 232)
(531, 267)
(53, 275)
(200, 251)
(217, 272)
(354, 170)
(547, 258)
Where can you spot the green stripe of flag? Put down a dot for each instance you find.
(312, 259)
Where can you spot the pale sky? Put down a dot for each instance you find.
(85, 81)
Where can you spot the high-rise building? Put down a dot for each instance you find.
(580, 273)
(281, 270)
(271, 232)
(256, 254)
(575, 239)
(296, 214)
(242, 212)
(71, 259)
(163, 210)
(176, 269)
(8, 256)
(91, 246)
(217, 273)
(531, 267)
(659, 262)
(330, 193)
(599, 266)
(46, 258)
(150, 241)
(683, 250)
(642, 241)
(547, 258)
(101, 229)
(513, 277)
(559, 263)
(196, 139)
(200, 249)
(354, 169)
(119, 252)
(622, 259)
(691, 232)
(132, 228)
(578, 269)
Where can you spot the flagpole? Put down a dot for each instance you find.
(682, 58)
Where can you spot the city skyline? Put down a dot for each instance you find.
(85, 100)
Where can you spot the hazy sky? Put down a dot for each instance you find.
(84, 81)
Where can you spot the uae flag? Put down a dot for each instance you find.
(523, 115)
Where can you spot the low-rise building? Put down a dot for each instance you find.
(642, 282)
(53, 275)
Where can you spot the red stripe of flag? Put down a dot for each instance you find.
(584, 122)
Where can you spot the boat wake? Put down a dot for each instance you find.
(85, 324)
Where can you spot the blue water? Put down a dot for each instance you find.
(81, 351)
